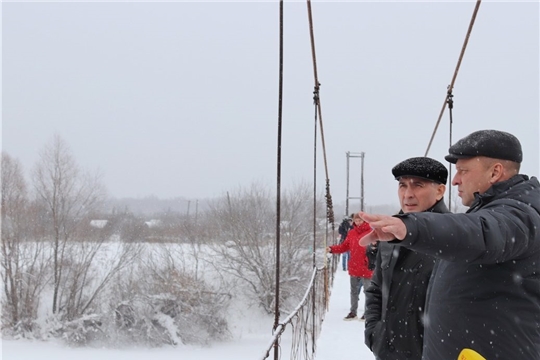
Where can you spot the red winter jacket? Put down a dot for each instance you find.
(358, 262)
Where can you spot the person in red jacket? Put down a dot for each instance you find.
(358, 261)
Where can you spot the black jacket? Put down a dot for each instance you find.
(484, 293)
(343, 230)
(371, 254)
(395, 300)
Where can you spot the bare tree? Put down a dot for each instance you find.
(195, 234)
(23, 261)
(245, 241)
(67, 196)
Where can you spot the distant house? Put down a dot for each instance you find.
(153, 223)
(99, 224)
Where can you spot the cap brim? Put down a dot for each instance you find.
(421, 177)
(453, 158)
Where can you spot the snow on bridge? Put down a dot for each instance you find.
(341, 339)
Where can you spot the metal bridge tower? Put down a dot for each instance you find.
(350, 155)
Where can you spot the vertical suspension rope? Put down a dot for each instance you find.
(313, 303)
(450, 101)
(328, 196)
(314, 219)
(451, 86)
(278, 180)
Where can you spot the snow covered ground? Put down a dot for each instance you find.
(338, 340)
(342, 340)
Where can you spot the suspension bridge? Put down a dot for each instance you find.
(317, 308)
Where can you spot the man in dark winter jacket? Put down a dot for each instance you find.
(484, 293)
(343, 230)
(396, 297)
(371, 254)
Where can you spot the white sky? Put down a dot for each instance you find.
(338, 339)
(180, 98)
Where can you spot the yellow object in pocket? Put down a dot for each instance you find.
(469, 354)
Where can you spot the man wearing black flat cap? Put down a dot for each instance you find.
(396, 298)
(484, 293)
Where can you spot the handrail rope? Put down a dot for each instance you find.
(329, 206)
(451, 86)
(278, 330)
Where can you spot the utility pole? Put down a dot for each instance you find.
(196, 210)
(362, 182)
(350, 155)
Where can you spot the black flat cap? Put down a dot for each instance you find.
(422, 167)
(489, 143)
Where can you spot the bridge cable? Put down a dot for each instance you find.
(328, 196)
(278, 190)
(329, 206)
(451, 86)
(450, 101)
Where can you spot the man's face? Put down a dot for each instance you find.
(472, 175)
(417, 194)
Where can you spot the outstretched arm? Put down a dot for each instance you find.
(385, 228)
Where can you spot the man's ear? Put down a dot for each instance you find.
(497, 171)
(441, 188)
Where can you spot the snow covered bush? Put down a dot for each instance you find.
(79, 332)
(160, 302)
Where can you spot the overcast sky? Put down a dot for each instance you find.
(180, 98)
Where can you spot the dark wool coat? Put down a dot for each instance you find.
(395, 300)
(484, 293)
(358, 262)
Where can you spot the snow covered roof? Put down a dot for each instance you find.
(153, 223)
(100, 224)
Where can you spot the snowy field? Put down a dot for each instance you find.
(252, 334)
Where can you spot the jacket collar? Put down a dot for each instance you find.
(496, 189)
(439, 207)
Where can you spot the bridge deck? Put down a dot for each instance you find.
(341, 339)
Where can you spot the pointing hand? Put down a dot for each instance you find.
(385, 228)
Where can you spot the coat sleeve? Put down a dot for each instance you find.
(373, 302)
(340, 248)
(501, 231)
